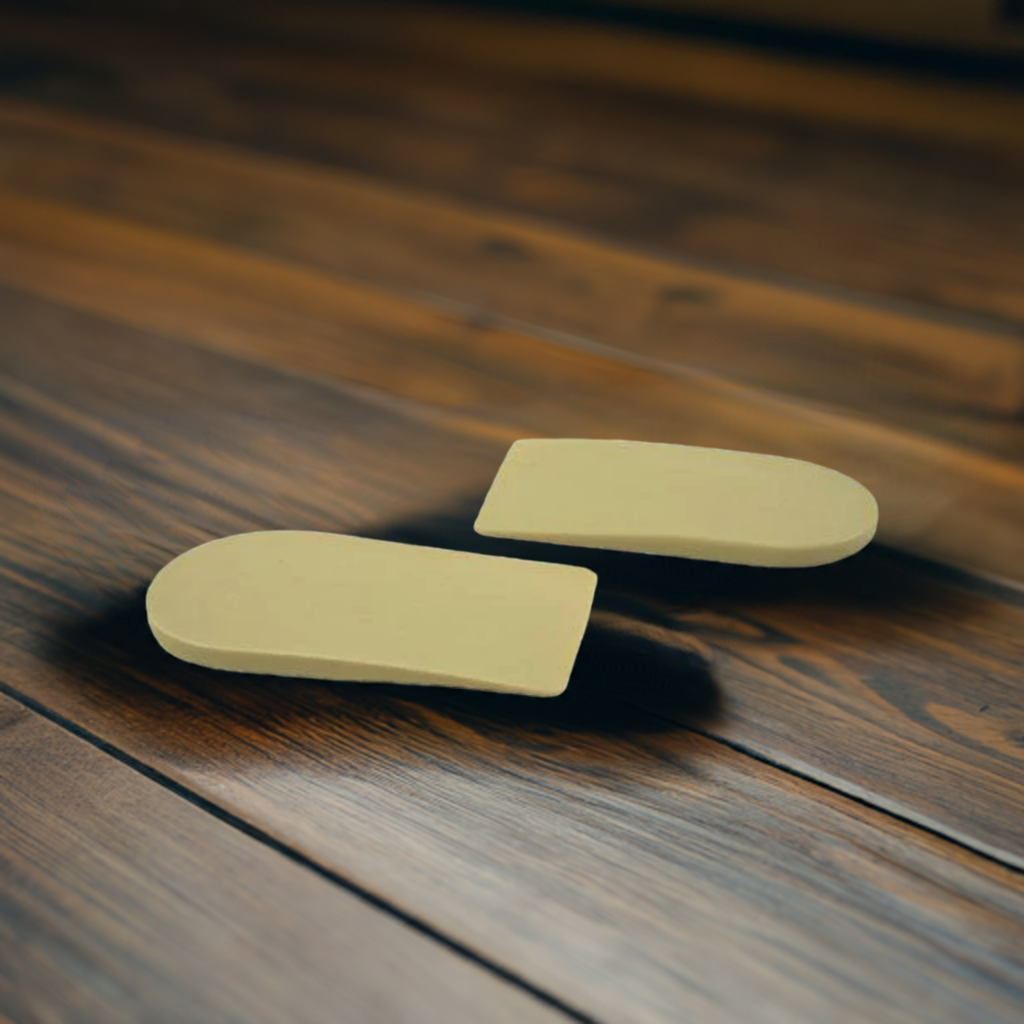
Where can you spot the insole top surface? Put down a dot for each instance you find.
(667, 499)
(330, 606)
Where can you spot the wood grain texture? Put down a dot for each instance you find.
(738, 76)
(935, 499)
(574, 51)
(961, 26)
(629, 866)
(912, 220)
(902, 364)
(122, 902)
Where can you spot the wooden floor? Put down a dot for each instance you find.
(274, 265)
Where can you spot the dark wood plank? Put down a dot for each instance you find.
(629, 866)
(935, 499)
(573, 50)
(731, 75)
(120, 901)
(900, 364)
(898, 217)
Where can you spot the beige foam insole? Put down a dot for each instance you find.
(667, 499)
(327, 606)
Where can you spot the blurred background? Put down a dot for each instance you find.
(767, 224)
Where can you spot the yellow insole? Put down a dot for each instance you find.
(664, 499)
(327, 606)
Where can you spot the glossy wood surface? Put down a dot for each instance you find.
(809, 342)
(121, 901)
(775, 795)
(459, 107)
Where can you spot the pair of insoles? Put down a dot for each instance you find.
(327, 606)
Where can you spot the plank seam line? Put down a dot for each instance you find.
(257, 834)
(740, 748)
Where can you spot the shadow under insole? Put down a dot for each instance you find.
(638, 669)
(621, 684)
